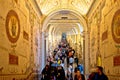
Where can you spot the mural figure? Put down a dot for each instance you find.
(13, 27)
(116, 27)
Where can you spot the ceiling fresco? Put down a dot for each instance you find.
(65, 18)
(48, 6)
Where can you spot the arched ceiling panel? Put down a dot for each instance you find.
(48, 6)
(64, 28)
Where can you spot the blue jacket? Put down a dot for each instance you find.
(100, 77)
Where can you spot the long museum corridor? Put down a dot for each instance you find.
(36, 33)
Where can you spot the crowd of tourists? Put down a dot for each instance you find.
(58, 73)
(60, 65)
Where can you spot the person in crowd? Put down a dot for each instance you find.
(69, 73)
(60, 73)
(100, 75)
(75, 72)
(80, 67)
(53, 73)
(92, 76)
(79, 76)
(46, 73)
(71, 60)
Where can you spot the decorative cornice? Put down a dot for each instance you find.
(95, 5)
(35, 7)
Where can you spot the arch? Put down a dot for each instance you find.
(82, 23)
(73, 12)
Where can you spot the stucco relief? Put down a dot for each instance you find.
(12, 26)
(116, 27)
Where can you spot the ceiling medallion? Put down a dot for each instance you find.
(116, 27)
(12, 26)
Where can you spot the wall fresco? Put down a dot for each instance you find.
(12, 26)
(116, 27)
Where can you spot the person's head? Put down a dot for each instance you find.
(59, 67)
(78, 73)
(76, 69)
(99, 70)
(46, 67)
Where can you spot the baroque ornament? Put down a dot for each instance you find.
(116, 27)
(12, 26)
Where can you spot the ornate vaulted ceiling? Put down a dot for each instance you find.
(48, 6)
(64, 22)
(64, 16)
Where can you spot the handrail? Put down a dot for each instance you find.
(26, 75)
(27, 71)
(13, 74)
(16, 76)
(114, 75)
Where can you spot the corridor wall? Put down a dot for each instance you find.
(19, 39)
(103, 20)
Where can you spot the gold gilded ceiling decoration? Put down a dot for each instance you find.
(48, 6)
